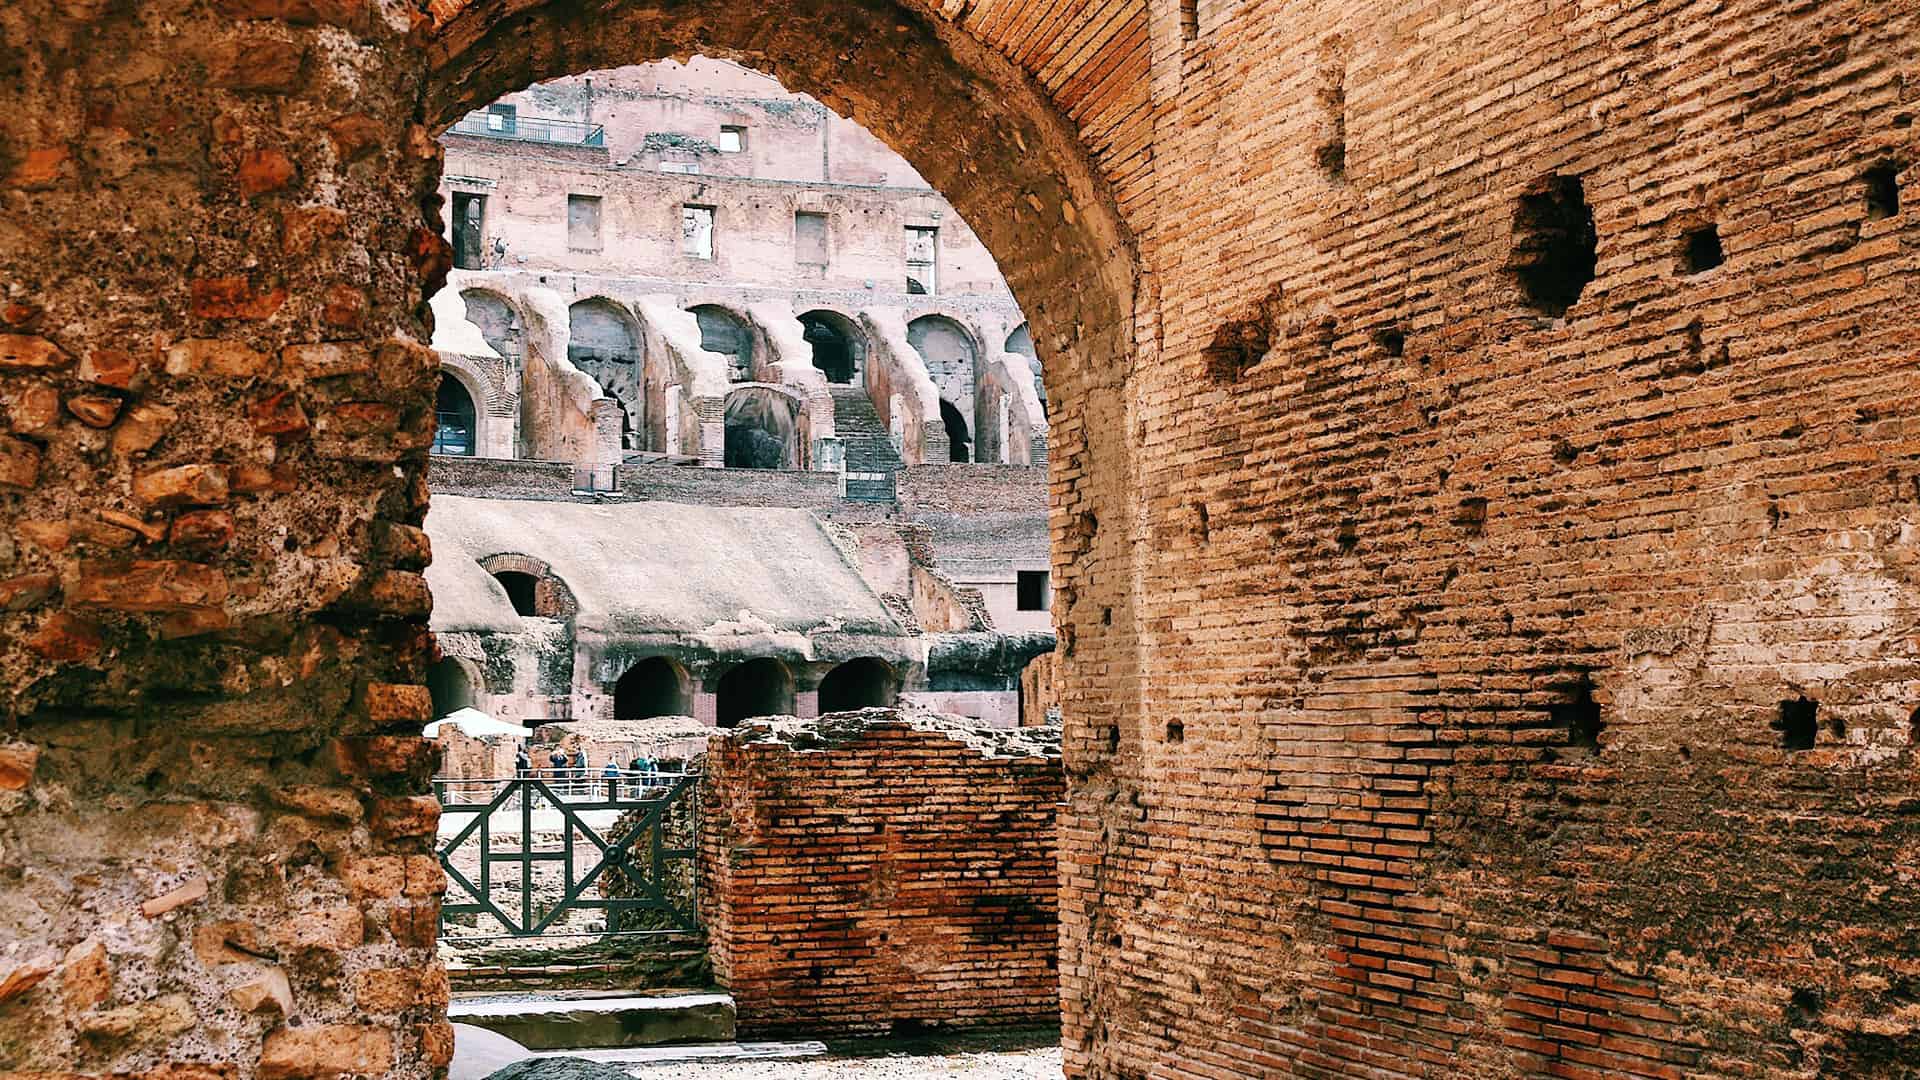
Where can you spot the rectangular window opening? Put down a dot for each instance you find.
(469, 231)
(583, 222)
(809, 238)
(733, 138)
(923, 265)
(1032, 590)
(696, 231)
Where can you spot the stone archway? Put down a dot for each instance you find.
(861, 683)
(655, 686)
(759, 687)
(268, 171)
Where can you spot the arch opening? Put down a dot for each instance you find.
(498, 322)
(653, 687)
(839, 348)
(862, 683)
(760, 687)
(959, 443)
(455, 421)
(522, 590)
(952, 359)
(936, 80)
(723, 332)
(763, 429)
(452, 687)
(603, 341)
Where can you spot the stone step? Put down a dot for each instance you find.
(572, 1021)
(668, 1055)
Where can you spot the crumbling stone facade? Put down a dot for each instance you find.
(1453, 563)
(879, 872)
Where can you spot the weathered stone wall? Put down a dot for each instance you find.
(874, 872)
(216, 414)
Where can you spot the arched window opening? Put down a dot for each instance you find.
(864, 683)
(603, 342)
(721, 331)
(453, 419)
(949, 353)
(760, 687)
(838, 348)
(498, 323)
(1021, 341)
(653, 687)
(958, 441)
(762, 430)
(451, 687)
(521, 590)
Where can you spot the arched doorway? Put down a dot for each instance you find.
(653, 687)
(839, 348)
(762, 687)
(455, 424)
(721, 331)
(452, 687)
(959, 442)
(863, 683)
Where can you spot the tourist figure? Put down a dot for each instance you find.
(580, 767)
(558, 768)
(612, 775)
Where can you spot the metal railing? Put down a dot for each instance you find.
(539, 129)
(624, 847)
(565, 784)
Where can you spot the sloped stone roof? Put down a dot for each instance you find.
(656, 568)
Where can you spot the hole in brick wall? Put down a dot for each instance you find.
(1564, 451)
(1883, 191)
(1349, 535)
(1580, 716)
(1554, 243)
(1331, 153)
(1242, 343)
(1798, 723)
(1176, 731)
(1700, 250)
(1113, 739)
(1236, 347)
(1806, 1003)
(1392, 341)
(907, 1028)
(1913, 727)
(1471, 515)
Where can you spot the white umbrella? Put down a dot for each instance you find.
(477, 724)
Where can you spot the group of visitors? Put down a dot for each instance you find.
(571, 774)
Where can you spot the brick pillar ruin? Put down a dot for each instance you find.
(215, 837)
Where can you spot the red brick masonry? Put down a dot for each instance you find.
(876, 873)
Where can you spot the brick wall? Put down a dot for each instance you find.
(872, 873)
